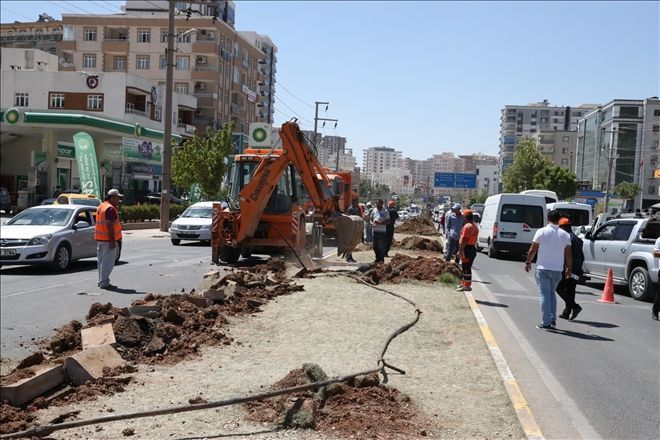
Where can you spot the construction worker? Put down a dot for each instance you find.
(453, 227)
(467, 249)
(394, 216)
(107, 234)
(566, 287)
(380, 218)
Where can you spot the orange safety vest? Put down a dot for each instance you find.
(469, 234)
(101, 232)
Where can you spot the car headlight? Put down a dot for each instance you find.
(174, 226)
(205, 227)
(40, 240)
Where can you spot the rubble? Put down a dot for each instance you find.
(418, 226)
(419, 243)
(361, 407)
(403, 267)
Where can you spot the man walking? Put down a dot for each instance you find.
(467, 249)
(379, 218)
(566, 287)
(367, 223)
(107, 234)
(553, 246)
(453, 226)
(394, 216)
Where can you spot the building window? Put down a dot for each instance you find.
(183, 38)
(89, 60)
(144, 36)
(69, 33)
(656, 128)
(656, 112)
(564, 162)
(94, 102)
(52, 50)
(143, 62)
(563, 151)
(57, 100)
(181, 88)
(163, 35)
(89, 34)
(57, 31)
(236, 75)
(532, 130)
(566, 138)
(182, 63)
(39, 32)
(628, 112)
(162, 62)
(119, 63)
(22, 99)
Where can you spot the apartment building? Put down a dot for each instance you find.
(472, 161)
(520, 121)
(398, 179)
(488, 177)
(375, 160)
(559, 146)
(267, 69)
(331, 148)
(623, 134)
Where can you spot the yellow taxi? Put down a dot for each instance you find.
(77, 199)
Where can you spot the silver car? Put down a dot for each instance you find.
(194, 223)
(51, 234)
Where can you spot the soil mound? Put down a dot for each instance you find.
(419, 243)
(361, 408)
(403, 267)
(418, 226)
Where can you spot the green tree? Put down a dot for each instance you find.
(479, 198)
(201, 160)
(627, 190)
(370, 192)
(557, 179)
(527, 162)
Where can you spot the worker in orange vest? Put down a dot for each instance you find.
(467, 249)
(107, 235)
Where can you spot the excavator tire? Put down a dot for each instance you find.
(230, 255)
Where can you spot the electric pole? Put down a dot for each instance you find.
(167, 130)
(316, 123)
(610, 159)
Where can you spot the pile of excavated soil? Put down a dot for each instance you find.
(360, 408)
(418, 243)
(14, 419)
(418, 226)
(403, 267)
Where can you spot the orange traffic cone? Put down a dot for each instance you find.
(608, 291)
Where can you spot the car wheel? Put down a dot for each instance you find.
(230, 255)
(62, 258)
(176, 241)
(492, 253)
(639, 284)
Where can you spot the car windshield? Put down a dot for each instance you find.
(578, 217)
(86, 202)
(42, 217)
(198, 213)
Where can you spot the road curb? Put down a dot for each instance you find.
(140, 225)
(524, 413)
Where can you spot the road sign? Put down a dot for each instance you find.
(444, 180)
(466, 180)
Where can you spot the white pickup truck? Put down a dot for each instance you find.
(625, 245)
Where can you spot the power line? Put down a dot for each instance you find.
(290, 93)
(107, 9)
(16, 13)
(281, 101)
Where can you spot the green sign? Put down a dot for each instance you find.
(67, 151)
(88, 167)
(141, 150)
(195, 193)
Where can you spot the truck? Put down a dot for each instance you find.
(270, 194)
(625, 245)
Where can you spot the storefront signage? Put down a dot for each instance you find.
(88, 167)
(259, 135)
(141, 150)
(67, 151)
(144, 168)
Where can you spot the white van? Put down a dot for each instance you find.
(550, 196)
(509, 222)
(579, 213)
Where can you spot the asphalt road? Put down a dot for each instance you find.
(595, 377)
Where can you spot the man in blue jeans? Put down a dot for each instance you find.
(553, 245)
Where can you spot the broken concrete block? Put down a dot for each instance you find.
(230, 290)
(89, 364)
(44, 379)
(199, 301)
(144, 308)
(214, 294)
(101, 319)
(99, 335)
(212, 274)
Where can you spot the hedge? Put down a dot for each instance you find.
(141, 213)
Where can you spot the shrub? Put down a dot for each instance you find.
(448, 279)
(140, 213)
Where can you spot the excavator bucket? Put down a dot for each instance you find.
(349, 230)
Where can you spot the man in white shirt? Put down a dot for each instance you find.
(656, 303)
(553, 245)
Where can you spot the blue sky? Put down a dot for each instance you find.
(429, 77)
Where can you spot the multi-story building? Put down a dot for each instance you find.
(445, 163)
(267, 69)
(422, 173)
(375, 160)
(331, 148)
(398, 179)
(621, 135)
(472, 161)
(488, 177)
(559, 146)
(519, 121)
(42, 108)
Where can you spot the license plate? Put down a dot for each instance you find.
(508, 234)
(8, 252)
(186, 233)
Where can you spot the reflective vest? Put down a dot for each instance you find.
(101, 232)
(469, 234)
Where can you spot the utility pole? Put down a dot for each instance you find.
(316, 123)
(167, 130)
(610, 159)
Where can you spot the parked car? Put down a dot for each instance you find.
(194, 224)
(54, 234)
(5, 200)
(77, 199)
(626, 246)
(154, 198)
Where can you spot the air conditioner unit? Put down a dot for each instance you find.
(210, 35)
(201, 60)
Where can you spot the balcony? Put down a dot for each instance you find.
(117, 46)
(207, 73)
(205, 99)
(186, 128)
(204, 46)
(68, 45)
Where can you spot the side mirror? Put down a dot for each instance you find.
(81, 225)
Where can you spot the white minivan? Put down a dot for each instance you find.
(509, 222)
(550, 196)
(579, 213)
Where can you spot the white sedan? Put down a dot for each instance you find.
(193, 224)
(51, 234)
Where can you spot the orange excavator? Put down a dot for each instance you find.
(270, 194)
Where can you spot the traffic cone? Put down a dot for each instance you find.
(608, 291)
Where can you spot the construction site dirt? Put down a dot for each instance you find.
(404, 267)
(417, 226)
(335, 322)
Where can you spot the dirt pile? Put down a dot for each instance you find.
(360, 408)
(418, 243)
(418, 226)
(403, 267)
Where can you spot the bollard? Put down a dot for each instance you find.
(317, 240)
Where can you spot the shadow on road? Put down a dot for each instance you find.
(596, 324)
(490, 304)
(126, 291)
(579, 335)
